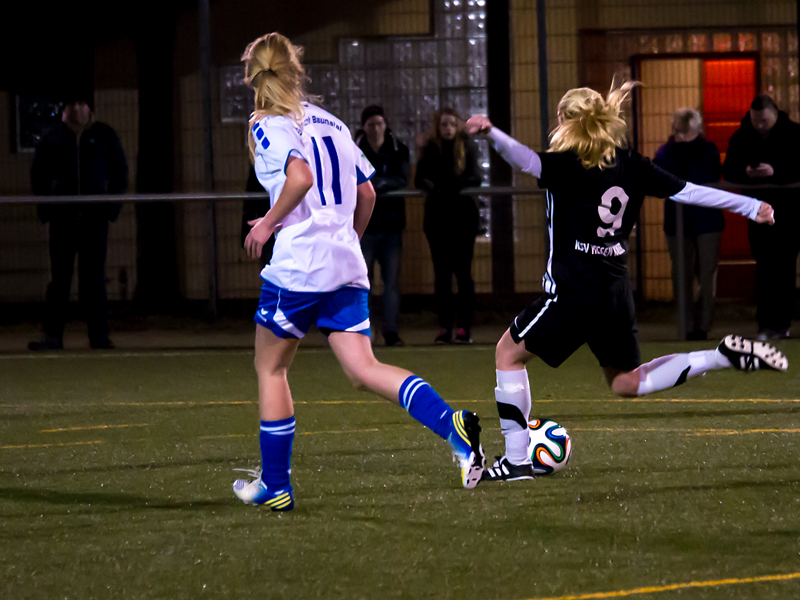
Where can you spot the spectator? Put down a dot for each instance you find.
(80, 156)
(691, 157)
(765, 150)
(449, 164)
(383, 239)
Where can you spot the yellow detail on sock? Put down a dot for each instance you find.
(458, 422)
(282, 499)
(286, 502)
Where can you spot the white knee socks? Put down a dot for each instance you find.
(673, 370)
(513, 395)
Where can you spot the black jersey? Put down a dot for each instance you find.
(590, 214)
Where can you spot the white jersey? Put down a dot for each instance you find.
(316, 248)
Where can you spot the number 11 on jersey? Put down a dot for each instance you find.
(336, 185)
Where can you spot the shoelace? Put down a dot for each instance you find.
(256, 473)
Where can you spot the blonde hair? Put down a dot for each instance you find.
(591, 126)
(272, 68)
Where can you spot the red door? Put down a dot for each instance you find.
(729, 86)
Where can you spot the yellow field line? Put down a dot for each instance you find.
(687, 432)
(746, 431)
(49, 445)
(334, 402)
(684, 430)
(93, 427)
(676, 586)
(236, 435)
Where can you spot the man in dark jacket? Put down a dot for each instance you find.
(765, 150)
(383, 239)
(78, 157)
(690, 156)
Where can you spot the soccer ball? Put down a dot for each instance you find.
(549, 445)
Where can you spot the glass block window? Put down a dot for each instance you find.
(413, 76)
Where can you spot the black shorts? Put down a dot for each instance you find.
(554, 327)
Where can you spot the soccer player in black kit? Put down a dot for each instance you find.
(595, 187)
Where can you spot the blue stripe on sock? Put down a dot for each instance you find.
(425, 405)
(275, 439)
(413, 389)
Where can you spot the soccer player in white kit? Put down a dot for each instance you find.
(322, 199)
(595, 188)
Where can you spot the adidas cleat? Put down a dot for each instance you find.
(257, 493)
(747, 355)
(464, 438)
(502, 470)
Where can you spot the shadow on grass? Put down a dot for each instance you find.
(602, 472)
(103, 499)
(148, 466)
(635, 493)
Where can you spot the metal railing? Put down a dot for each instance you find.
(488, 191)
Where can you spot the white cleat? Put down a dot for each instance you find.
(747, 355)
(256, 492)
(471, 468)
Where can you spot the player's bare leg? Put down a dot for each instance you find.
(271, 484)
(274, 356)
(513, 396)
(354, 352)
(459, 428)
(675, 369)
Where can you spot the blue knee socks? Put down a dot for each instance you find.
(276, 439)
(425, 405)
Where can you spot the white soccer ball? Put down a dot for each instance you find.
(549, 446)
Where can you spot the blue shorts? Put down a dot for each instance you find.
(290, 314)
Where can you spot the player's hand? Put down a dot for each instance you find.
(478, 124)
(765, 170)
(762, 170)
(766, 214)
(257, 237)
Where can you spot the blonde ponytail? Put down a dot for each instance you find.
(592, 127)
(273, 69)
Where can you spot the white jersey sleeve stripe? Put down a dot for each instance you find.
(701, 195)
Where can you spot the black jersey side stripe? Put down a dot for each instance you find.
(549, 283)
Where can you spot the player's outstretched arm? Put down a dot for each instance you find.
(365, 202)
(700, 195)
(517, 155)
(299, 180)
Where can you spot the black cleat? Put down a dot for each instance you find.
(465, 440)
(392, 339)
(45, 344)
(104, 344)
(445, 336)
(502, 470)
(747, 355)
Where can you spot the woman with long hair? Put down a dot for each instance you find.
(321, 200)
(449, 164)
(595, 188)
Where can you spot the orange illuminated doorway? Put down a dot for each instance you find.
(721, 87)
(729, 86)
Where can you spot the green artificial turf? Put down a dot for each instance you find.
(115, 475)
